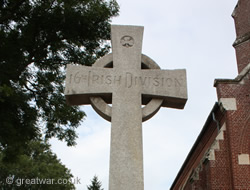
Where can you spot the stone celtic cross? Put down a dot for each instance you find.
(126, 79)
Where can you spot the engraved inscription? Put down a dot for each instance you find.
(127, 80)
(150, 81)
(78, 78)
(127, 41)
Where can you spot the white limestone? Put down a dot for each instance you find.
(127, 87)
(229, 103)
(243, 159)
(220, 136)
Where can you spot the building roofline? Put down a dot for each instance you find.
(215, 108)
(242, 74)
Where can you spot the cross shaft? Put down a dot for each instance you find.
(126, 155)
(123, 86)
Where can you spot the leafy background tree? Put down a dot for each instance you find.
(95, 184)
(36, 162)
(37, 39)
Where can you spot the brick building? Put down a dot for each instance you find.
(219, 159)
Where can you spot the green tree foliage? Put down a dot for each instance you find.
(36, 168)
(95, 184)
(37, 39)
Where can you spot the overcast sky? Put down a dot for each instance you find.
(196, 35)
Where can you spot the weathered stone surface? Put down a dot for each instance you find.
(119, 79)
(86, 81)
(126, 157)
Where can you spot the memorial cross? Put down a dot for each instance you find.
(127, 80)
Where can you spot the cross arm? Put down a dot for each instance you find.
(169, 85)
(83, 82)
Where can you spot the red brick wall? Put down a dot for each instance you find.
(220, 167)
(223, 171)
(238, 121)
(238, 128)
(241, 17)
(242, 54)
(196, 171)
(213, 174)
